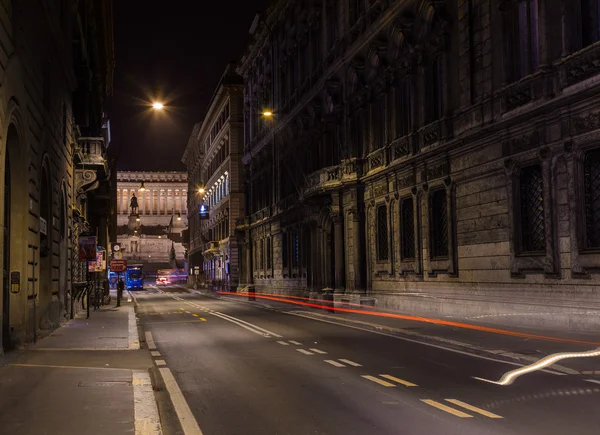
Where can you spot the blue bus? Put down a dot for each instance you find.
(134, 277)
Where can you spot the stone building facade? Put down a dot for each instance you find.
(438, 157)
(56, 65)
(216, 176)
(162, 213)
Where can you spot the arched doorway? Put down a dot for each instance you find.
(6, 342)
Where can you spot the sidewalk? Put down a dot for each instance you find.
(87, 377)
(505, 342)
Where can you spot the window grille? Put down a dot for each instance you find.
(382, 234)
(407, 235)
(533, 229)
(439, 224)
(591, 179)
(284, 249)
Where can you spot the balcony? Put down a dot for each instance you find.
(322, 180)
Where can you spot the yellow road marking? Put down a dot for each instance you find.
(195, 315)
(379, 381)
(352, 363)
(473, 408)
(445, 408)
(182, 309)
(400, 381)
(203, 319)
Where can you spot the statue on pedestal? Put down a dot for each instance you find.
(133, 204)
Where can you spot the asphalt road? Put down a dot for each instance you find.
(246, 370)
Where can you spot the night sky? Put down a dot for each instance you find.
(175, 52)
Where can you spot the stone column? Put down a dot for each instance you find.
(338, 237)
(357, 254)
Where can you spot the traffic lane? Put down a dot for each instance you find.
(239, 382)
(554, 403)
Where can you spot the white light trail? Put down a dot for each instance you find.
(509, 377)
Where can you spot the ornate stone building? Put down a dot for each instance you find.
(56, 65)
(439, 157)
(162, 213)
(213, 158)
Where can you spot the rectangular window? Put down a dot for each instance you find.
(332, 23)
(357, 7)
(439, 224)
(436, 98)
(591, 182)
(533, 229)
(380, 123)
(407, 229)
(382, 234)
(522, 52)
(403, 108)
(295, 250)
(284, 249)
(357, 133)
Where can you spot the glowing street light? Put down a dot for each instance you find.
(137, 218)
(178, 216)
(142, 187)
(157, 105)
(267, 113)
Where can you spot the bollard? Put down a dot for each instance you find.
(251, 293)
(328, 296)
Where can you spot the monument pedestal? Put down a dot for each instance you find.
(133, 223)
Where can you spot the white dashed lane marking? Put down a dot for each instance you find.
(334, 363)
(296, 343)
(283, 343)
(305, 352)
(320, 352)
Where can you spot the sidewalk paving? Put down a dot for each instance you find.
(472, 336)
(87, 377)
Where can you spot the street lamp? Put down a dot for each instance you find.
(142, 187)
(201, 190)
(267, 113)
(157, 105)
(178, 216)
